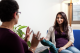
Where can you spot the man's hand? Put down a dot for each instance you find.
(28, 33)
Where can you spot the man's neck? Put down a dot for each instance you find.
(8, 25)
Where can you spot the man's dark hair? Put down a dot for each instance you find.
(7, 9)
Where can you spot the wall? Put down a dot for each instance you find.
(76, 26)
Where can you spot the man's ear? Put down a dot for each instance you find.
(14, 15)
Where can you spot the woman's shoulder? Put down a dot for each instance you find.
(70, 29)
(51, 28)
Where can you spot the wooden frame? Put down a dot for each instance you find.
(72, 22)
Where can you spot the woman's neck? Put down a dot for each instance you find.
(8, 25)
(61, 28)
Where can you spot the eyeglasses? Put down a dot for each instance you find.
(19, 12)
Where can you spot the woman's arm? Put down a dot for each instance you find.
(71, 40)
(68, 44)
(49, 33)
(65, 46)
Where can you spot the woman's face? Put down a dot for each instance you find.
(59, 19)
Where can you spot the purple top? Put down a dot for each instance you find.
(61, 40)
(10, 42)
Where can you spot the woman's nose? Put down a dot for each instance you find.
(59, 19)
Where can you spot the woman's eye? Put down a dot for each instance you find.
(57, 17)
(61, 17)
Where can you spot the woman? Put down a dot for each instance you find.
(10, 42)
(62, 35)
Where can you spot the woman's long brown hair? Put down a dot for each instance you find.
(64, 24)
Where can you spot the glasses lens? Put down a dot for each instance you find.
(19, 13)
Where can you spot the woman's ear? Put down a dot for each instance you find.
(14, 15)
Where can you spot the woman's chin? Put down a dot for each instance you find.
(59, 23)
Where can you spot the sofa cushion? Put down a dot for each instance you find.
(77, 38)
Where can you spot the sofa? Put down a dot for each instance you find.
(77, 38)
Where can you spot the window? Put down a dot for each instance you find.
(75, 13)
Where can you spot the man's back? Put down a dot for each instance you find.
(10, 42)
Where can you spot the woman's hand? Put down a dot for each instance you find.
(28, 33)
(43, 38)
(35, 40)
(61, 48)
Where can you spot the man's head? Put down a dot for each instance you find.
(8, 10)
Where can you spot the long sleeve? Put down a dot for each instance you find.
(16, 45)
(71, 35)
(49, 33)
(10, 42)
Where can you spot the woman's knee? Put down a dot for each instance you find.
(66, 51)
(74, 49)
